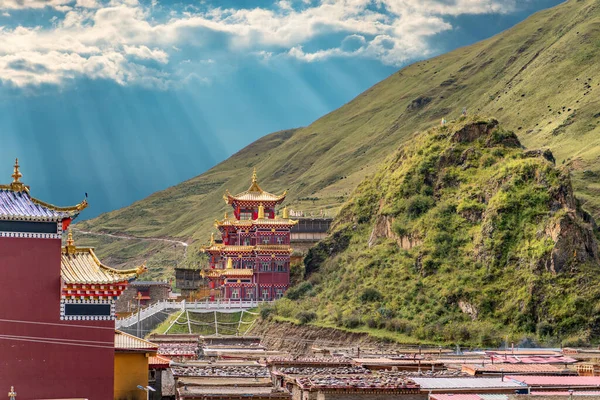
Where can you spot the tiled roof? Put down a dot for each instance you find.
(80, 265)
(19, 205)
(150, 283)
(159, 362)
(567, 381)
(466, 383)
(125, 341)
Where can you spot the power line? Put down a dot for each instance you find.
(25, 339)
(65, 325)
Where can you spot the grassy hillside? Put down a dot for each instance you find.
(540, 78)
(460, 237)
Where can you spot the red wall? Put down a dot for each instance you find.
(30, 277)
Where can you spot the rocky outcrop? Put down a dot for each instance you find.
(383, 229)
(574, 243)
(468, 308)
(472, 132)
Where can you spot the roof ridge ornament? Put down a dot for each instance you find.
(71, 248)
(254, 187)
(16, 185)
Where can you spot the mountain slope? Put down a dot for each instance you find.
(539, 78)
(462, 236)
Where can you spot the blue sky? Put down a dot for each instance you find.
(121, 98)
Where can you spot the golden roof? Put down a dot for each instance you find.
(233, 248)
(215, 273)
(253, 194)
(125, 341)
(80, 265)
(273, 247)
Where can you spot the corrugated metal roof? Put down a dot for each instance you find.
(535, 380)
(125, 341)
(460, 396)
(534, 359)
(80, 265)
(567, 393)
(513, 368)
(466, 383)
(19, 205)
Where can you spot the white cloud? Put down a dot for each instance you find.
(115, 39)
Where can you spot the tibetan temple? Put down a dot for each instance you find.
(253, 260)
(57, 316)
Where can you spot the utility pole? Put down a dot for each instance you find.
(139, 328)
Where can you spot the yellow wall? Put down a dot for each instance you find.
(131, 370)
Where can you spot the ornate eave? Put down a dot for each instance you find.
(18, 204)
(257, 222)
(80, 265)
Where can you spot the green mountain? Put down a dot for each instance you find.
(462, 236)
(540, 78)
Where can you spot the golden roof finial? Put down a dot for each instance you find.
(70, 243)
(17, 174)
(225, 216)
(212, 239)
(16, 184)
(230, 263)
(286, 214)
(254, 179)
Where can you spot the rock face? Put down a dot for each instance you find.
(574, 243)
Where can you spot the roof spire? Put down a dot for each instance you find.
(254, 179)
(229, 263)
(16, 174)
(212, 239)
(16, 184)
(70, 243)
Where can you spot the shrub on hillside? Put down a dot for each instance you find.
(370, 295)
(299, 291)
(266, 311)
(306, 316)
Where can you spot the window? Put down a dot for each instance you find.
(265, 266)
(235, 293)
(279, 239)
(265, 240)
(265, 294)
(279, 293)
(250, 294)
(246, 241)
(245, 215)
(280, 267)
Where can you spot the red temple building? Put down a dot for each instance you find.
(56, 303)
(253, 260)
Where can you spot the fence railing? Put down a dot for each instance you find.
(160, 306)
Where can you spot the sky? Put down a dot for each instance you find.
(122, 98)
